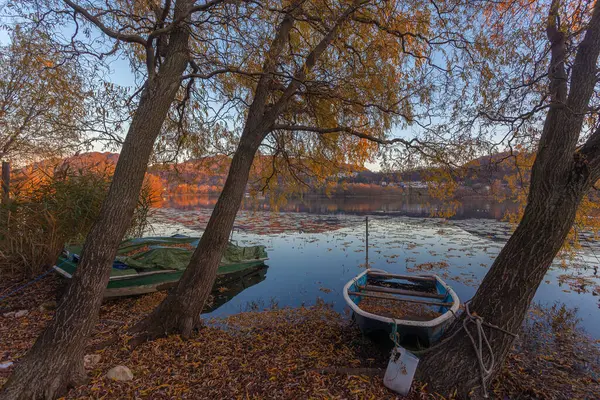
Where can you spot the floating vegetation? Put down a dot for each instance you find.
(331, 249)
(579, 284)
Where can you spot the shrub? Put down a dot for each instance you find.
(49, 210)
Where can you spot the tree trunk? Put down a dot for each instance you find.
(55, 362)
(560, 177)
(5, 182)
(180, 311)
(559, 181)
(505, 294)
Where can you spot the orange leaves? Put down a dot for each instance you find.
(587, 219)
(42, 98)
(154, 186)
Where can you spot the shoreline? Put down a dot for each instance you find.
(288, 353)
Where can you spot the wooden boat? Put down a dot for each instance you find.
(146, 271)
(429, 292)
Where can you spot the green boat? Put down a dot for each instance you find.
(146, 265)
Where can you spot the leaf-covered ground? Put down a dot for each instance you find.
(302, 353)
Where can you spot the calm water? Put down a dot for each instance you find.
(414, 206)
(313, 254)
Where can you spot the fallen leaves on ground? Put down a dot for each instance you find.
(399, 310)
(552, 359)
(301, 353)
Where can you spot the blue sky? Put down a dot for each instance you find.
(120, 74)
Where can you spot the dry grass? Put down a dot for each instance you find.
(50, 209)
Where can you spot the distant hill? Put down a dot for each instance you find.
(208, 174)
(94, 160)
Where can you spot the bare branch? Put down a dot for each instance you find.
(130, 38)
(192, 10)
(558, 75)
(413, 144)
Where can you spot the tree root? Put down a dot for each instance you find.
(162, 323)
(47, 383)
(102, 345)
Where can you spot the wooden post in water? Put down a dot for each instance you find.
(367, 242)
(5, 182)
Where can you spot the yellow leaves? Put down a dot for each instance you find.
(587, 218)
(43, 98)
(151, 390)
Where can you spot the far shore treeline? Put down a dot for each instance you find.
(482, 177)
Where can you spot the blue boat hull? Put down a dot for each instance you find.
(421, 333)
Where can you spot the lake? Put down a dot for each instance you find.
(316, 246)
(414, 206)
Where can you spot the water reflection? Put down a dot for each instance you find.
(228, 286)
(306, 265)
(414, 206)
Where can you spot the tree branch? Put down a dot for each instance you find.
(310, 62)
(591, 153)
(558, 75)
(257, 108)
(582, 88)
(583, 76)
(414, 143)
(130, 38)
(192, 10)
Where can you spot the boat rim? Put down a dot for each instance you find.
(65, 274)
(423, 324)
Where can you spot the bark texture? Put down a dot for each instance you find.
(561, 177)
(55, 362)
(180, 311)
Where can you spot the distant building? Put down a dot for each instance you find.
(414, 185)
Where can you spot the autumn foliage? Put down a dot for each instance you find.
(56, 202)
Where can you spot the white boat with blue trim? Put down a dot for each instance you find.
(427, 291)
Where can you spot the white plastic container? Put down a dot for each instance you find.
(400, 370)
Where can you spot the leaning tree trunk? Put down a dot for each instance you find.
(560, 178)
(55, 362)
(180, 311)
(505, 293)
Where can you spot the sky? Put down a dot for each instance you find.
(120, 74)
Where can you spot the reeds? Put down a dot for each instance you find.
(49, 210)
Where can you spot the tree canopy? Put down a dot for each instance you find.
(313, 85)
(42, 96)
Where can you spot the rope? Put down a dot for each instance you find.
(485, 370)
(394, 336)
(31, 282)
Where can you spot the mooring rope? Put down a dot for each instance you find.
(485, 370)
(31, 282)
